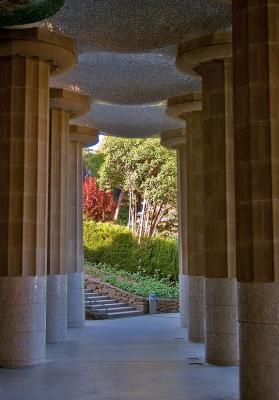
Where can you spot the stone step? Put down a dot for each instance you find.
(116, 305)
(90, 294)
(110, 306)
(123, 314)
(103, 306)
(120, 309)
(97, 298)
(105, 301)
(118, 312)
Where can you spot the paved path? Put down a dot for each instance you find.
(141, 358)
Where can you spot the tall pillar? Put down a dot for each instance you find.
(27, 57)
(64, 105)
(176, 139)
(188, 108)
(211, 57)
(80, 136)
(256, 128)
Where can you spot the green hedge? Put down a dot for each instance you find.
(114, 245)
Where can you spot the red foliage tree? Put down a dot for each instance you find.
(98, 204)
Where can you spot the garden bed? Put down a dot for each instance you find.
(132, 288)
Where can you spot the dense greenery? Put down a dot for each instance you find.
(93, 161)
(146, 172)
(114, 245)
(134, 282)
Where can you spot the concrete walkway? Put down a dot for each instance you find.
(138, 358)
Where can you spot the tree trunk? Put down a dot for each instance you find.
(141, 221)
(119, 204)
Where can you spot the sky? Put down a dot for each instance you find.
(101, 138)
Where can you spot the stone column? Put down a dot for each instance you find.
(188, 108)
(256, 128)
(80, 136)
(64, 105)
(210, 56)
(176, 139)
(27, 57)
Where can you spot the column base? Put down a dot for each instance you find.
(56, 308)
(196, 308)
(258, 309)
(76, 310)
(22, 321)
(221, 336)
(183, 306)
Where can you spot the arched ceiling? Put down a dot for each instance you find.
(129, 121)
(128, 78)
(127, 52)
(136, 25)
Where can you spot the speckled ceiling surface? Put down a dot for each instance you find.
(135, 25)
(129, 121)
(126, 78)
(127, 51)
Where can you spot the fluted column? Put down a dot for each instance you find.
(176, 139)
(80, 136)
(256, 128)
(210, 56)
(188, 108)
(27, 57)
(64, 105)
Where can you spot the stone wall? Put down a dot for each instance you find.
(139, 302)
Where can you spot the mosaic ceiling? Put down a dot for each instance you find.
(136, 25)
(127, 52)
(126, 78)
(129, 121)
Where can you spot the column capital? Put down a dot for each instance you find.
(173, 138)
(191, 54)
(57, 49)
(85, 135)
(76, 104)
(180, 106)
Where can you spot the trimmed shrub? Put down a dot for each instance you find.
(114, 245)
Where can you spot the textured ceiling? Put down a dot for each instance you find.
(127, 52)
(135, 25)
(123, 78)
(129, 121)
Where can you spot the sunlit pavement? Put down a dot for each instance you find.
(140, 358)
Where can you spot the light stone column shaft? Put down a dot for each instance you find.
(56, 322)
(220, 287)
(64, 104)
(196, 225)
(80, 137)
(256, 127)
(210, 56)
(176, 139)
(182, 232)
(26, 59)
(188, 108)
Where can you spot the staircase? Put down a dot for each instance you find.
(98, 306)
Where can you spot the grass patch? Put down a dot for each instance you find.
(133, 282)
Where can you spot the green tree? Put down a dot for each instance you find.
(147, 172)
(93, 161)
